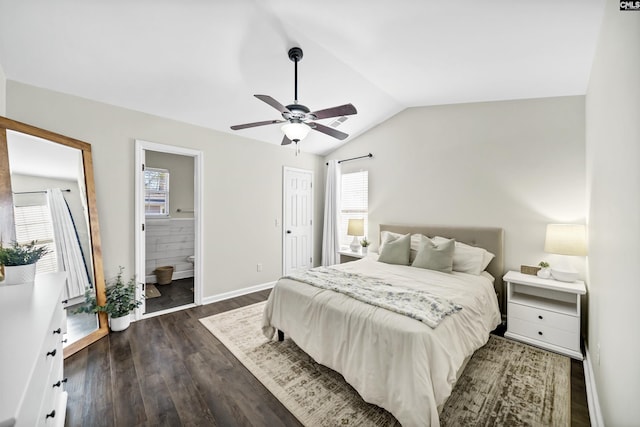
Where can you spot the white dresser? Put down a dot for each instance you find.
(31, 329)
(544, 312)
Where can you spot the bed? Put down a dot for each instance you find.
(392, 360)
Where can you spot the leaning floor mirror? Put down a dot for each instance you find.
(47, 195)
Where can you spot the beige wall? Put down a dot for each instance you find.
(613, 191)
(242, 183)
(181, 173)
(3, 93)
(515, 164)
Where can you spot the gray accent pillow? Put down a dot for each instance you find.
(397, 251)
(435, 257)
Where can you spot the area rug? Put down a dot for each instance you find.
(505, 383)
(151, 291)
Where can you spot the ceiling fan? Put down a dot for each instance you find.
(300, 119)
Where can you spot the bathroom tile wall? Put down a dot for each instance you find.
(169, 242)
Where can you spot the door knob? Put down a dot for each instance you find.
(288, 231)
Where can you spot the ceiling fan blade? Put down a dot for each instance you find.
(254, 124)
(329, 131)
(342, 110)
(275, 104)
(286, 141)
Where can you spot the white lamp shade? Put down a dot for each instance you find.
(355, 227)
(296, 131)
(566, 239)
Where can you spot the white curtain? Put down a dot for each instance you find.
(68, 251)
(330, 235)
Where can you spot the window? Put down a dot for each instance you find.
(354, 202)
(156, 192)
(33, 223)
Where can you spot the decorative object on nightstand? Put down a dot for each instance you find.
(545, 271)
(568, 240)
(365, 245)
(544, 312)
(355, 228)
(528, 269)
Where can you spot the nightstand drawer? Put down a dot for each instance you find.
(544, 333)
(544, 318)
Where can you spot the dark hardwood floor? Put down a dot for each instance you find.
(179, 292)
(170, 371)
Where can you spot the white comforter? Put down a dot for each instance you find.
(393, 361)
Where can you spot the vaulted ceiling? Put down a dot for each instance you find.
(201, 61)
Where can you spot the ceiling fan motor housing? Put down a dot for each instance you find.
(298, 112)
(295, 54)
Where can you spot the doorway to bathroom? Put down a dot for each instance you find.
(168, 217)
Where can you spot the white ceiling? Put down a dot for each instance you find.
(201, 61)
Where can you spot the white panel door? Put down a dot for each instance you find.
(297, 220)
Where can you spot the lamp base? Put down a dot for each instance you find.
(564, 275)
(355, 244)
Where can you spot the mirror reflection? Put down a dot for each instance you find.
(50, 208)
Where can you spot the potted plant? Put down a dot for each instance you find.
(18, 262)
(365, 245)
(121, 300)
(545, 271)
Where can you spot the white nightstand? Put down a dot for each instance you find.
(544, 312)
(347, 255)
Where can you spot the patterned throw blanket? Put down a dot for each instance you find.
(419, 305)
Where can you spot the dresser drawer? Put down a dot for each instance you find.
(30, 315)
(542, 317)
(49, 362)
(544, 333)
(49, 413)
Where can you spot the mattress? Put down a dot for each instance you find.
(393, 361)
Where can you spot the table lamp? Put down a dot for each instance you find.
(568, 240)
(355, 229)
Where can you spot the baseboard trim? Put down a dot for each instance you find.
(237, 293)
(595, 414)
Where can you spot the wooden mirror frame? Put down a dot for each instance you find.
(7, 226)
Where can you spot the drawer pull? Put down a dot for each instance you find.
(540, 317)
(539, 333)
(57, 331)
(64, 301)
(64, 341)
(52, 414)
(52, 353)
(59, 383)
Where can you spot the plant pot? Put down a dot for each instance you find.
(365, 249)
(19, 274)
(544, 273)
(164, 275)
(121, 323)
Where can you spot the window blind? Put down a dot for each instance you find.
(33, 223)
(156, 188)
(354, 202)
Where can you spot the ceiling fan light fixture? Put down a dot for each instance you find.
(296, 131)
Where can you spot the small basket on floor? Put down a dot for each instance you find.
(164, 275)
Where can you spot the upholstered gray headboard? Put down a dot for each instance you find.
(489, 238)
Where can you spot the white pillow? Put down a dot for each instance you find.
(466, 258)
(416, 241)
